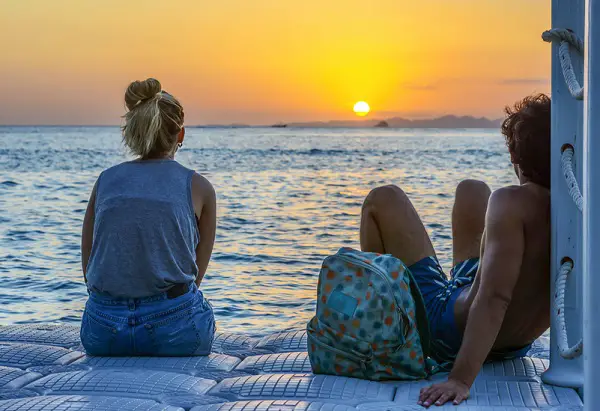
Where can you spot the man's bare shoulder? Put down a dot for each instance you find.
(507, 202)
(520, 200)
(528, 203)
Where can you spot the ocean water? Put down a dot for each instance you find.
(286, 199)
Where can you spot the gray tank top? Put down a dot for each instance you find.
(145, 232)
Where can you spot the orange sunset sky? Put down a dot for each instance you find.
(266, 61)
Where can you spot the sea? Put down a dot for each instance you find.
(287, 198)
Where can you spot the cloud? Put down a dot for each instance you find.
(524, 81)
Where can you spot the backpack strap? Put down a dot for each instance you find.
(421, 315)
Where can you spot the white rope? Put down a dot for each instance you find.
(559, 305)
(566, 160)
(567, 40)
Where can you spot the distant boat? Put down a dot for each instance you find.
(382, 123)
(279, 125)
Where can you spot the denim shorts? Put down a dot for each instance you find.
(151, 326)
(440, 295)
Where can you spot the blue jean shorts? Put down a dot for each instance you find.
(440, 294)
(151, 326)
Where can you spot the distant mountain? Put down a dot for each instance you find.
(234, 125)
(399, 122)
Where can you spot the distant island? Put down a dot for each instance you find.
(449, 121)
(399, 122)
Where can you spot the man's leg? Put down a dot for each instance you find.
(390, 224)
(468, 219)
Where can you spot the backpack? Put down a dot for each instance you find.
(370, 320)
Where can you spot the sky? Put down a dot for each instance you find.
(269, 61)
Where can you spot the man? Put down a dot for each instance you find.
(497, 301)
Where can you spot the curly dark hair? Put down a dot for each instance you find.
(527, 132)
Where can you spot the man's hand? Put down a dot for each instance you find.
(439, 394)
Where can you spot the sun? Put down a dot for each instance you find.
(361, 108)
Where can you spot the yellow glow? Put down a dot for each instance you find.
(265, 61)
(361, 108)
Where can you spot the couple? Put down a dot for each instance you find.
(150, 224)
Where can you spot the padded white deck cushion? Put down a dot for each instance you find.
(486, 392)
(288, 362)
(82, 403)
(122, 383)
(288, 341)
(29, 355)
(463, 407)
(275, 405)
(518, 368)
(59, 335)
(237, 345)
(182, 365)
(9, 394)
(187, 401)
(213, 367)
(14, 378)
(55, 369)
(303, 387)
(387, 406)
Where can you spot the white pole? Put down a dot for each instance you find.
(591, 219)
(567, 128)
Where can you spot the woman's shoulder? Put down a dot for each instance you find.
(201, 185)
(203, 193)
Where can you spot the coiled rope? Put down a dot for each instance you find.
(559, 305)
(567, 267)
(567, 40)
(566, 160)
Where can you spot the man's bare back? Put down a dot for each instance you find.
(497, 300)
(528, 314)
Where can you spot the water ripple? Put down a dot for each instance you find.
(287, 198)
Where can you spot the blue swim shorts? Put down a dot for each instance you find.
(440, 294)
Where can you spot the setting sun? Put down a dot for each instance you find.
(361, 108)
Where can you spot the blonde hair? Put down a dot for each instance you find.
(153, 120)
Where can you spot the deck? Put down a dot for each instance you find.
(43, 367)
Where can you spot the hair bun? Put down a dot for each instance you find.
(139, 91)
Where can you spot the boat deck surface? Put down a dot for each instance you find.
(44, 367)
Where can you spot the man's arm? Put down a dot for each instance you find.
(501, 264)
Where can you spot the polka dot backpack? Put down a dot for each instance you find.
(370, 322)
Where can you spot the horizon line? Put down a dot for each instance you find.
(279, 123)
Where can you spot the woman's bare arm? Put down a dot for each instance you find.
(87, 232)
(205, 207)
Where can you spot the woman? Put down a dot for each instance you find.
(147, 238)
